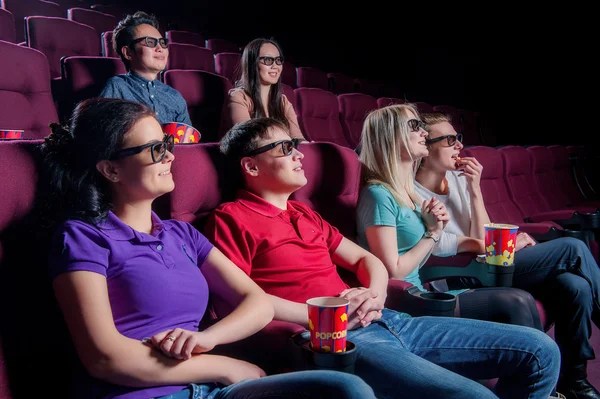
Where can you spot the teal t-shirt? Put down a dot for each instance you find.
(377, 207)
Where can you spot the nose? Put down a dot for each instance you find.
(169, 157)
(458, 145)
(424, 132)
(296, 154)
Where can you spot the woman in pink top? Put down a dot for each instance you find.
(258, 93)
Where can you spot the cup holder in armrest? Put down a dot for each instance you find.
(304, 358)
(488, 275)
(420, 303)
(590, 220)
(437, 296)
(584, 235)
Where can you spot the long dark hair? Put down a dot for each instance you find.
(76, 190)
(250, 82)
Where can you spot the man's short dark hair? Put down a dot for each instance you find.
(242, 138)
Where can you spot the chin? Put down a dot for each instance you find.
(167, 188)
(299, 184)
(422, 154)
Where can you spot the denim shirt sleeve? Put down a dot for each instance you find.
(111, 89)
(184, 116)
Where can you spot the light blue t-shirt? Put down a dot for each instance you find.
(377, 207)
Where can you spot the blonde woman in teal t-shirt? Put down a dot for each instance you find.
(402, 229)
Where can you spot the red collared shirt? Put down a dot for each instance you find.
(287, 253)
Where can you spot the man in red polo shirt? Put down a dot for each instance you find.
(288, 249)
(292, 253)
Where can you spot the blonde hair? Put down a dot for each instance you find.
(433, 118)
(385, 132)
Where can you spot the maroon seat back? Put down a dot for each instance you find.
(354, 108)
(318, 116)
(107, 45)
(18, 193)
(189, 56)
(4, 381)
(205, 94)
(470, 128)
(18, 182)
(340, 83)
(543, 173)
(563, 176)
(222, 46)
(50, 9)
(518, 174)
(197, 194)
(289, 93)
(7, 26)
(185, 37)
(85, 77)
(24, 8)
(423, 107)
(333, 174)
(25, 91)
(100, 21)
(392, 90)
(577, 155)
(386, 101)
(369, 87)
(498, 204)
(24, 282)
(59, 37)
(288, 75)
(118, 11)
(228, 66)
(312, 77)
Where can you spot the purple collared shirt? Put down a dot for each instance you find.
(155, 281)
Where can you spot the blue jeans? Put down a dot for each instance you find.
(301, 384)
(564, 275)
(440, 357)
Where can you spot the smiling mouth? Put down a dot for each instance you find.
(166, 172)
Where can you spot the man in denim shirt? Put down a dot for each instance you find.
(144, 52)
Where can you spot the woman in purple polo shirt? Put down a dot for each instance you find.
(133, 288)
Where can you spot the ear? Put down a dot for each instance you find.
(127, 52)
(108, 170)
(249, 166)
